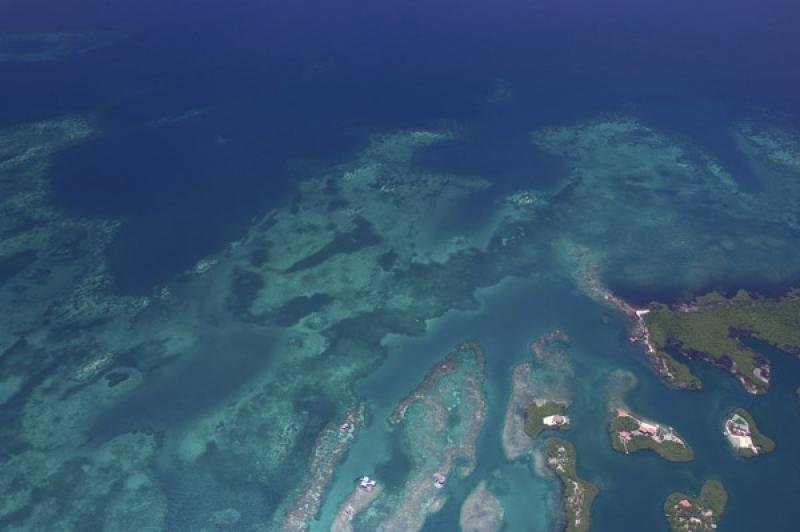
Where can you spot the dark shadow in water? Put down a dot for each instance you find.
(183, 189)
(497, 147)
(189, 387)
(394, 472)
(11, 265)
(676, 293)
(709, 125)
(507, 158)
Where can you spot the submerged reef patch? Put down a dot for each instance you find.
(481, 511)
(650, 209)
(113, 489)
(539, 389)
(304, 299)
(329, 448)
(437, 425)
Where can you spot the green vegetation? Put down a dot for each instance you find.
(578, 493)
(764, 443)
(536, 413)
(711, 328)
(676, 373)
(699, 515)
(663, 443)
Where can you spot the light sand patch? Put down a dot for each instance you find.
(481, 511)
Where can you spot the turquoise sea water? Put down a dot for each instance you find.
(236, 366)
(517, 311)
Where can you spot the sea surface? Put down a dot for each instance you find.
(171, 174)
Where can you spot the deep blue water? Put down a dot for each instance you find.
(306, 80)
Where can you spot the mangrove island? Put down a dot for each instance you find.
(712, 326)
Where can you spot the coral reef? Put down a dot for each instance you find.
(331, 444)
(640, 204)
(547, 380)
(59, 361)
(437, 426)
(357, 502)
(247, 361)
(481, 511)
(113, 488)
(516, 441)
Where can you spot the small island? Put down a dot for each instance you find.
(543, 415)
(541, 391)
(578, 493)
(629, 434)
(712, 326)
(743, 435)
(701, 514)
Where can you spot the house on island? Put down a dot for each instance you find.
(647, 428)
(555, 421)
(367, 484)
(737, 431)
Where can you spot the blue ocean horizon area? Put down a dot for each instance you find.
(285, 81)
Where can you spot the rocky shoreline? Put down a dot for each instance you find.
(668, 368)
